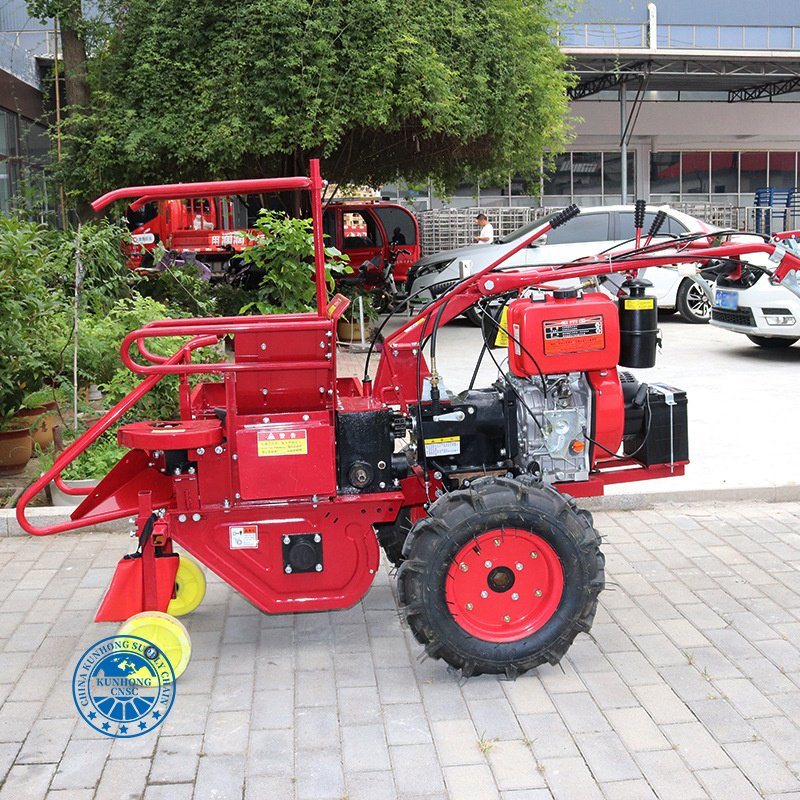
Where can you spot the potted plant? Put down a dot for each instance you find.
(362, 307)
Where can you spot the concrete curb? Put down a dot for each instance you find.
(50, 515)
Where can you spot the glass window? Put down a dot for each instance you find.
(584, 228)
(559, 179)
(694, 173)
(398, 224)
(329, 227)
(705, 36)
(781, 170)
(731, 37)
(780, 38)
(360, 230)
(5, 187)
(755, 38)
(753, 171)
(665, 173)
(587, 173)
(612, 174)
(724, 173)
(625, 229)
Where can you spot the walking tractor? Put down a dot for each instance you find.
(285, 479)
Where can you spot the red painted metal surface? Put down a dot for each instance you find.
(176, 435)
(504, 585)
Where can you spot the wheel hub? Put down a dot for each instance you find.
(504, 585)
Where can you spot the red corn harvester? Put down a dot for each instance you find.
(285, 479)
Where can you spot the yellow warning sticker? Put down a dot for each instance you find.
(282, 443)
(639, 304)
(443, 446)
(501, 340)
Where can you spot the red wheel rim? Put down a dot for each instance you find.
(504, 585)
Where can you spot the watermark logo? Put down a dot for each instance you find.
(123, 686)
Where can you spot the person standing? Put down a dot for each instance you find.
(486, 235)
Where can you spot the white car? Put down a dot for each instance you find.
(593, 231)
(768, 315)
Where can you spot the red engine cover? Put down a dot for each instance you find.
(555, 335)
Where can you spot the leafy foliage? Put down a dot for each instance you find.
(428, 88)
(283, 252)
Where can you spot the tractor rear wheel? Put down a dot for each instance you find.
(501, 577)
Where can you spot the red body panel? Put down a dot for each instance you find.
(562, 335)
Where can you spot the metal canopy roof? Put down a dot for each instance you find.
(744, 76)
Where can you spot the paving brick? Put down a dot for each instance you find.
(29, 781)
(123, 779)
(456, 742)
(514, 766)
(271, 752)
(607, 757)
(364, 748)
(359, 706)
(663, 705)
(668, 775)
(273, 709)
(580, 712)
(636, 729)
(369, 786)
(569, 779)
(609, 690)
(176, 759)
(696, 746)
(494, 719)
(725, 784)
(527, 695)
(470, 783)
(406, 723)
(628, 790)
(766, 771)
(316, 724)
(46, 741)
(226, 732)
(416, 769)
(82, 763)
(220, 777)
(549, 736)
(265, 787)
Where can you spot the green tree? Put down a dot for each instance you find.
(424, 89)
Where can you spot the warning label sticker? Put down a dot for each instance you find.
(577, 335)
(443, 446)
(501, 340)
(639, 304)
(282, 443)
(243, 537)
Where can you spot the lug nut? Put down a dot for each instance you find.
(519, 566)
(469, 606)
(463, 567)
(181, 517)
(484, 594)
(287, 540)
(196, 518)
(515, 596)
(487, 564)
(497, 543)
(506, 618)
(534, 554)
(318, 568)
(287, 569)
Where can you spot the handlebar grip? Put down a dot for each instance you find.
(658, 221)
(638, 214)
(570, 212)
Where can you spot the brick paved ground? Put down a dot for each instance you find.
(689, 688)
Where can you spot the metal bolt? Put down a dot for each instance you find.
(218, 449)
(235, 457)
(469, 606)
(538, 592)
(322, 345)
(191, 470)
(265, 392)
(534, 554)
(484, 594)
(177, 471)
(437, 475)
(238, 496)
(287, 569)
(265, 419)
(318, 568)
(519, 566)
(226, 503)
(381, 465)
(395, 353)
(317, 537)
(314, 498)
(514, 596)
(487, 564)
(470, 410)
(196, 518)
(201, 451)
(502, 451)
(286, 540)
(489, 285)
(263, 345)
(382, 485)
(181, 517)
(322, 390)
(506, 618)
(497, 543)
(463, 567)
(132, 534)
(306, 418)
(328, 356)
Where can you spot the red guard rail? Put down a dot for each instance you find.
(82, 443)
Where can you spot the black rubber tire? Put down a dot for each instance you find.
(687, 300)
(772, 343)
(392, 536)
(453, 521)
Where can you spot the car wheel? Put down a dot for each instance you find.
(771, 342)
(693, 303)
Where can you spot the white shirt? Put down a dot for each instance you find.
(487, 234)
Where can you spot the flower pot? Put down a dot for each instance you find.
(16, 449)
(58, 497)
(349, 332)
(40, 422)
